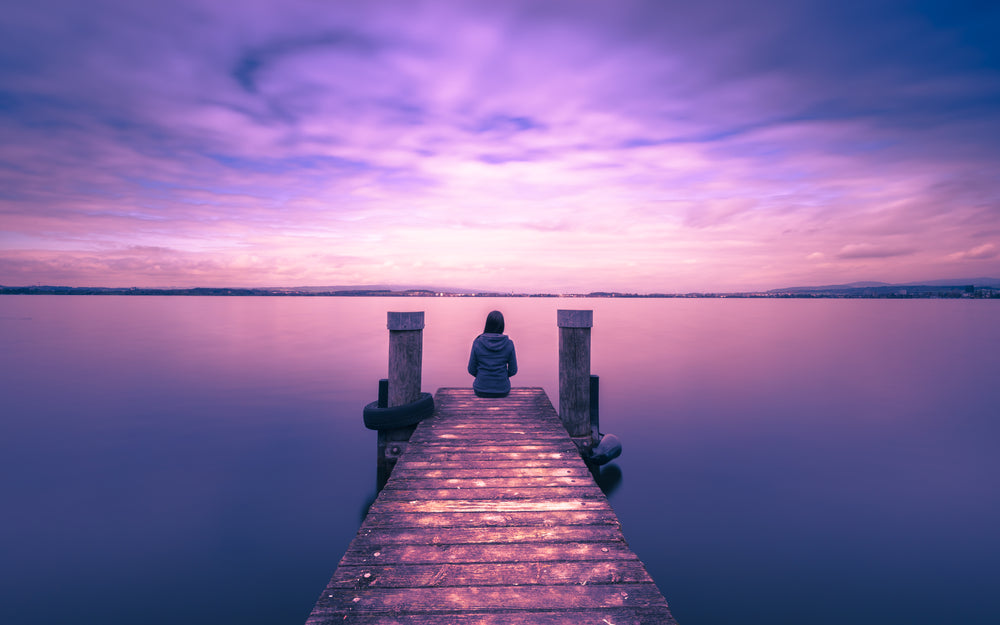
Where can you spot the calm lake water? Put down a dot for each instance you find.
(203, 460)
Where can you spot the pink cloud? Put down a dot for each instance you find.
(985, 251)
(870, 250)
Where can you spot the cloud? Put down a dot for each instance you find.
(871, 250)
(980, 252)
(255, 60)
(176, 268)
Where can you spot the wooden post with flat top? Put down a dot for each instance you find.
(574, 374)
(405, 363)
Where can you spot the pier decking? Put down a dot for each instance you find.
(490, 516)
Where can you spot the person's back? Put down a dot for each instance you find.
(492, 360)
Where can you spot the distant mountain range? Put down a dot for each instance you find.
(979, 283)
(373, 287)
(968, 287)
(374, 290)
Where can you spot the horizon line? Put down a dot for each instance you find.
(416, 291)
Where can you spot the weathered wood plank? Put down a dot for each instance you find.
(528, 505)
(407, 471)
(470, 455)
(490, 437)
(470, 494)
(598, 616)
(417, 483)
(493, 598)
(499, 535)
(547, 518)
(363, 552)
(511, 465)
(513, 427)
(503, 574)
(437, 449)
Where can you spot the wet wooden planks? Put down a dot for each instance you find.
(490, 517)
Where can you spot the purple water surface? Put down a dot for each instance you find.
(203, 460)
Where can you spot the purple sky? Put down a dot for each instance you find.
(534, 146)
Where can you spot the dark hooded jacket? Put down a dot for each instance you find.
(492, 361)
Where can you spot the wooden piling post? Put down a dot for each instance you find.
(595, 406)
(405, 364)
(574, 374)
(406, 331)
(383, 393)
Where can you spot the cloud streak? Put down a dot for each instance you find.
(645, 146)
(868, 250)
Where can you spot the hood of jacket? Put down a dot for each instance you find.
(493, 342)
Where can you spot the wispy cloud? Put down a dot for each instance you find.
(870, 250)
(980, 252)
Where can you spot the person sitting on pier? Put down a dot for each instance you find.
(492, 360)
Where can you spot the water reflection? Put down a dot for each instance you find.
(366, 506)
(608, 478)
(817, 462)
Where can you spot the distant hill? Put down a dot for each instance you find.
(830, 287)
(372, 287)
(342, 290)
(992, 283)
(968, 287)
(885, 289)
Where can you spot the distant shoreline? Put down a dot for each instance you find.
(880, 292)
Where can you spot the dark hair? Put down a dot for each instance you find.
(494, 323)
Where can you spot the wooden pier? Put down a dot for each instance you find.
(490, 516)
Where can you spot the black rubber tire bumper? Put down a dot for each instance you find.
(609, 448)
(398, 416)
